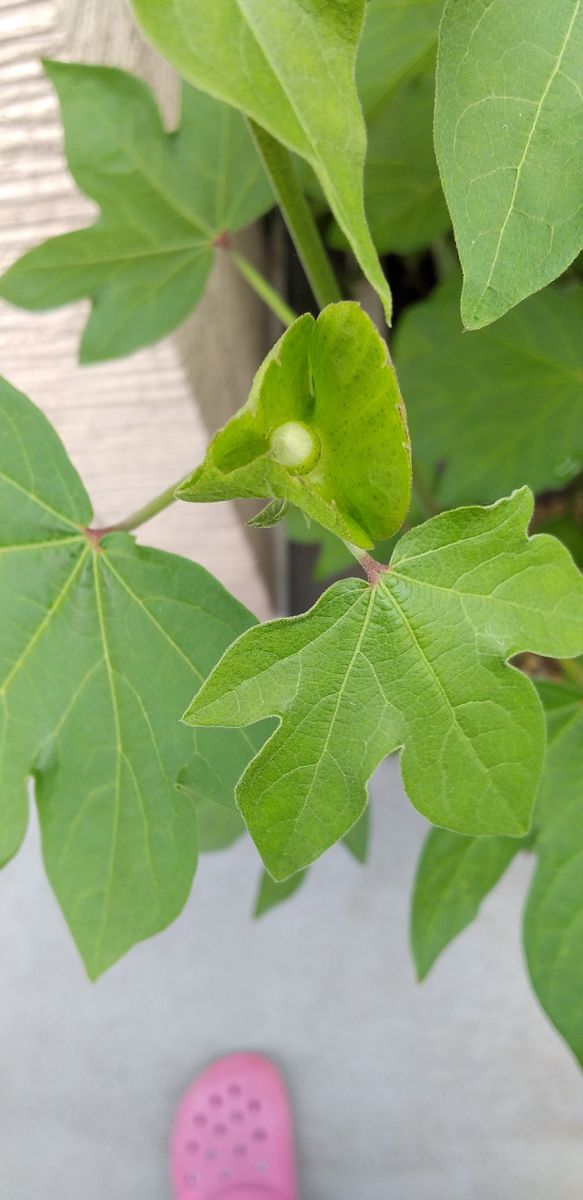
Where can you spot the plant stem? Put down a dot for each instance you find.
(372, 569)
(270, 297)
(298, 216)
(149, 510)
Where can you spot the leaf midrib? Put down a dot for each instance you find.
(536, 118)
(453, 714)
(53, 512)
(313, 155)
(489, 596)
(156, 184)
(50, 613)
(191, 249)
(121, 755)
(354, 656)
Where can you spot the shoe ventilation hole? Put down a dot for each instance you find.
(215, 1100)
(234, 1090)
(210, 1155)
(191, 1179)
(239, 1150)
(259, 1135)
(261, 1166)
(254, 1106)
(220, 1130)
(192, 1147)
(226, 1174)
(200, 1120)
(237, 1116)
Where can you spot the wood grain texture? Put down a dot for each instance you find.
(130, 426)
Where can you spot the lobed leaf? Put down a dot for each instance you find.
(165, 199)
(99, 640)
(509, 107)
(502, 407)
(324, 428)
(417, 662)
(290, 66)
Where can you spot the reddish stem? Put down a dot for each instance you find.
(373, 569)
(95, 535)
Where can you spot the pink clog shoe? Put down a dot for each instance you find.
(233, 1136)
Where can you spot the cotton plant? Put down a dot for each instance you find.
(156, 717)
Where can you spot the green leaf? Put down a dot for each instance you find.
(324, 428)
(333, 555)
(398, 39)
(569, 532)
(454, 875)
(271, 515)
(509, 109)
(212, 775)
(290, 67)
(271, 893)
(100, 643)
(209, 781)
(415, 662)
(357, 839)
(218, 826)
(404, 202)
(165, 199)
(553, 921)
(499, 408)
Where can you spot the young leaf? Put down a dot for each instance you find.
(290, 67)
(509, 108)
(416, 661)
(500, 408)
(454, 875)
(398, 39)
(165, 199)
(404, 202)
(553, 921)
(324, 427)
(99, 640)
(271, 515)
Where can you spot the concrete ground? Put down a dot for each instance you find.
(456, 1090)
